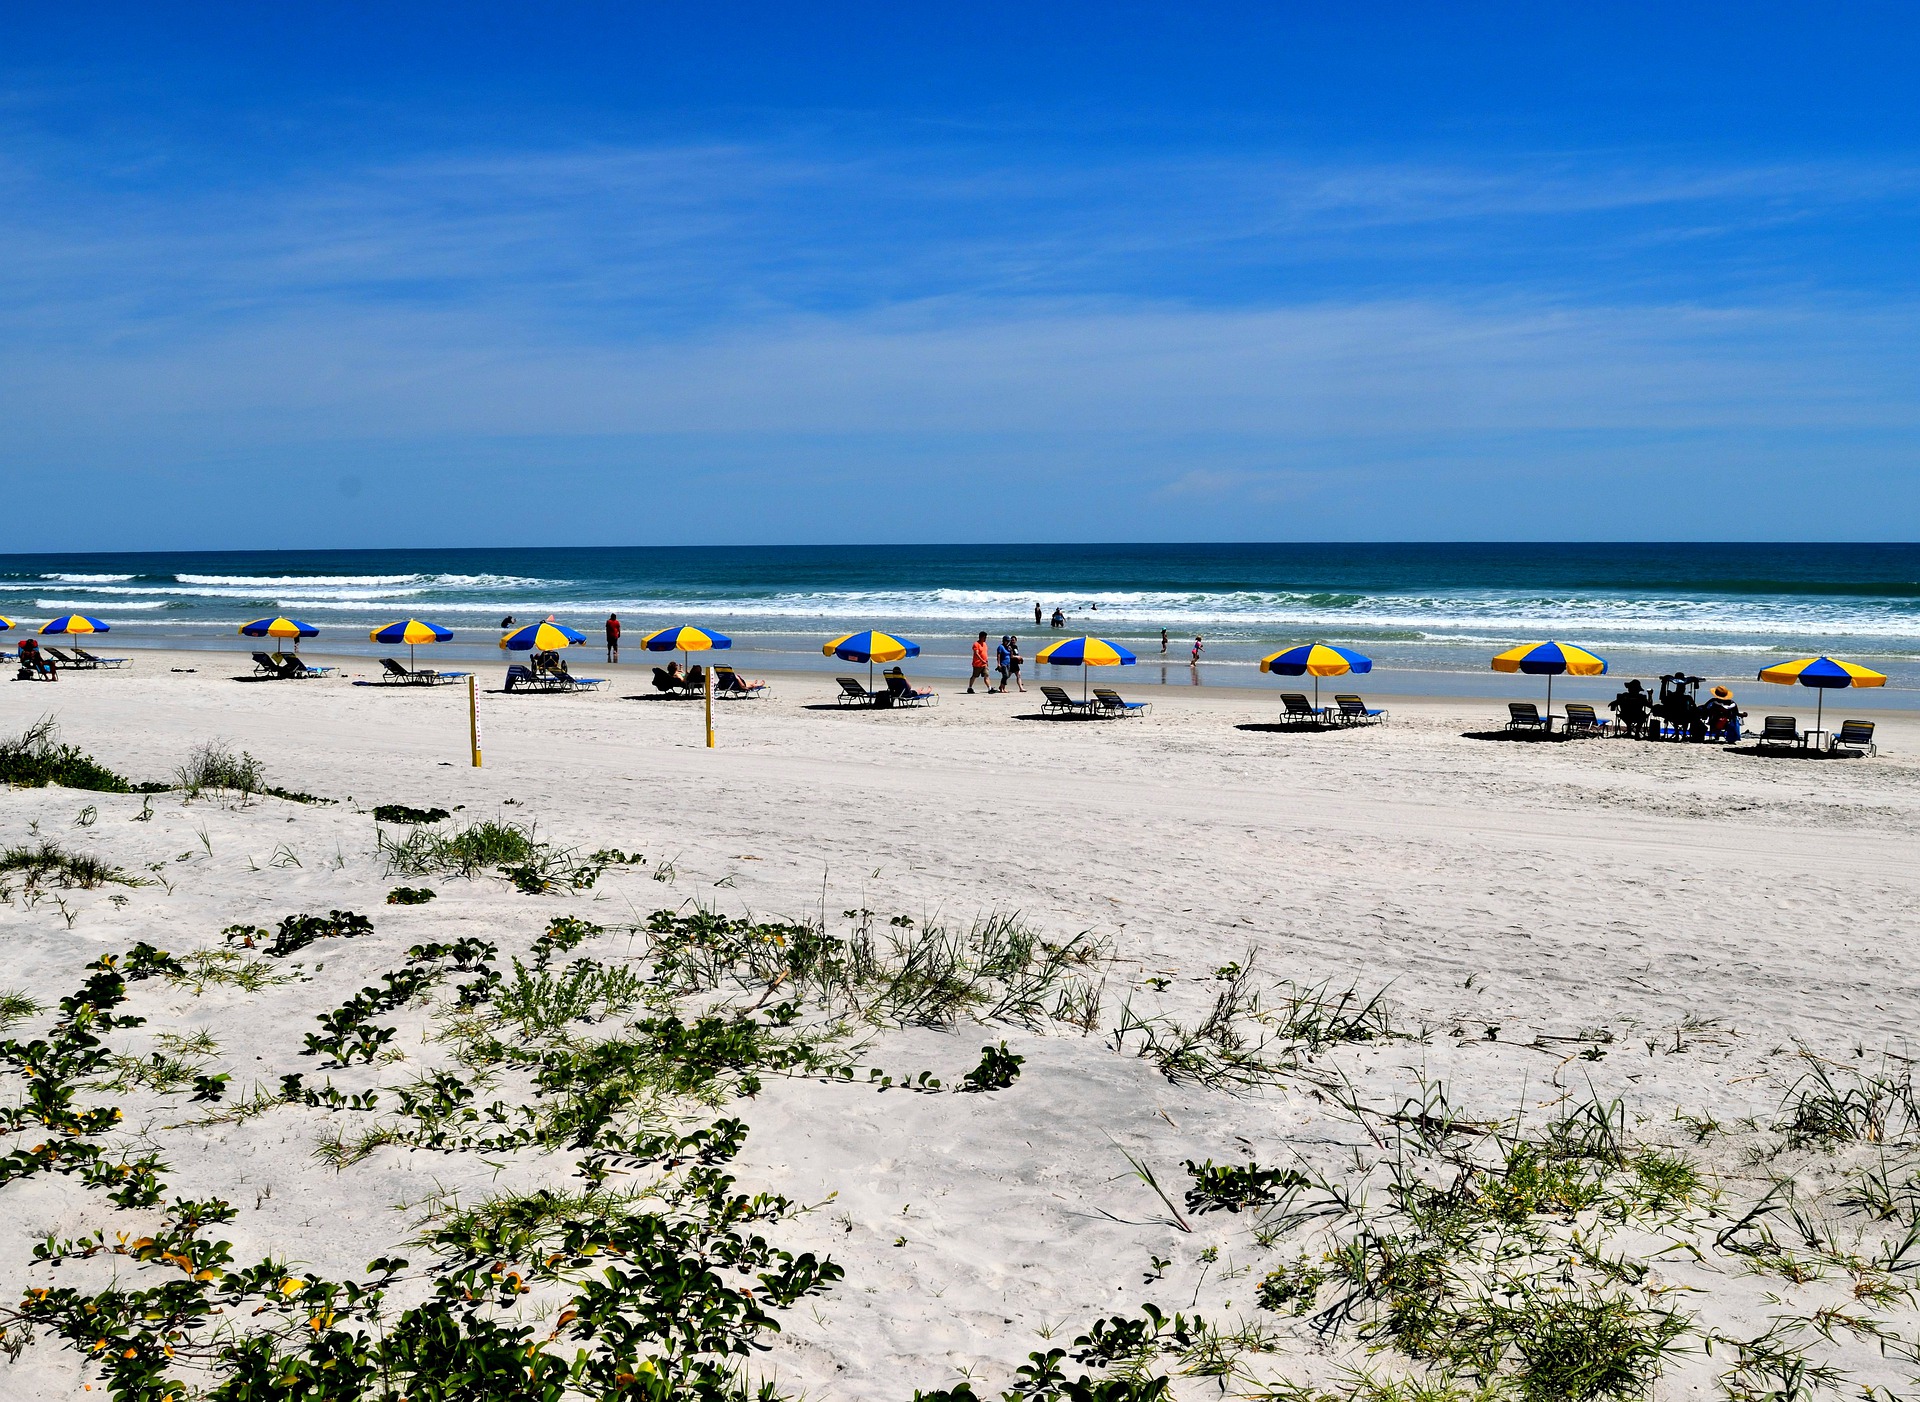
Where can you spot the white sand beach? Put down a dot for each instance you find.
(1663, 924)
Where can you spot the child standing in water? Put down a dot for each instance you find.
(1197, 645)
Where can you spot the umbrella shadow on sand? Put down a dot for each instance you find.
(1270, 727)
(1519, 737)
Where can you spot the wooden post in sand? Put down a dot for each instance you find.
(473, 720)
(708, 673)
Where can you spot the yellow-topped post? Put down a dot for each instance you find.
(708, 673)
(473, 719)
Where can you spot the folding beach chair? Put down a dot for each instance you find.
(1109, 701)
(1524, 715)
(1855, 736)
(1059, 703)
(1353, 711)
(1782, 732)
(1581, 720)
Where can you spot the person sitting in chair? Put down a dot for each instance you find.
(35, 663)
(1722, 716)
(1631, 706)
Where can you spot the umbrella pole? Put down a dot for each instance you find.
(1549, 703)
(1819, 707)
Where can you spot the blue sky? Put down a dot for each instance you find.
(638, 273)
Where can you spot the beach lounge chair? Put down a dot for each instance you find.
(727, 682)
(1109, 700)
(901, 692)
(854, 694)
(60, 659)
(1059, 703)
(526, 679)
(1853, 735)
(1297, 710)
(93, 661)
(285, 668)
(1780, 732)
(1524, 715)
(1582, 721)
(667, 683)
(393, 673)
(1353, 711)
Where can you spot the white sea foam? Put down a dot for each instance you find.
(87, 578)
(98, 607)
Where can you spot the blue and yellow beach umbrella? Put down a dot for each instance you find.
(1825, 674)
(1085, 652)
(1550, 660)
(278, 628)
(74, 623)
(684, 640)
(541, 637)
(871, 647)
(1316, 660)
(412, 632)
(5, 624)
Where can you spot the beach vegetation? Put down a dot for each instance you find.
(213, 767)
(409, 895)
(49, 864)
(36, 758)
(404, 813)
(998, 1070)
(509, 850)
(1832, 1104)
(15, 1007)
(296, 932)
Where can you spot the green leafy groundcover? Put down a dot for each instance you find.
(657, 1303)
(35, 758)
(657, 1287)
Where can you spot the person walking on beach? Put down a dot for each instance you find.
(1197, 645)
(1013, 664)
(979, 673)
(1002, 662)
(1163, 642)
(613, 637)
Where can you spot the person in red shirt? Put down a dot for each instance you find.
(979, 664)
(613, 637)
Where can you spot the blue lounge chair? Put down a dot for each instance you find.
(1353, 711)
(1110, 701)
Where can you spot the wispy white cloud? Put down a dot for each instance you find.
(1265, 327)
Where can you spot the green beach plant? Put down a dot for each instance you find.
(36, 758)
(212, 766)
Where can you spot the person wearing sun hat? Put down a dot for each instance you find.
(1722, 716)
(1632, 706)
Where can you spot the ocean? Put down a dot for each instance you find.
(1430, 615)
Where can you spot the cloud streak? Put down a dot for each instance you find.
(1258, 327)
